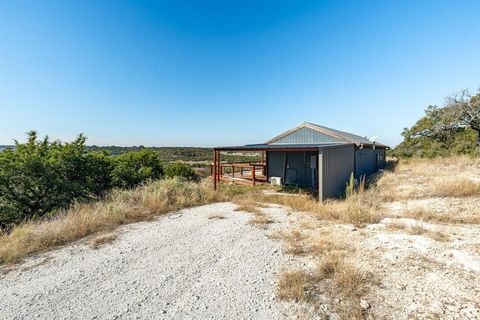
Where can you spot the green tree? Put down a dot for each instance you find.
(181, 170)
(452, 129)
(134, 168)
(39, 177)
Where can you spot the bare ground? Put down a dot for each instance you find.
(185, 266)
(421, 261)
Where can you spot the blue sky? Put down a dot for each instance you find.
(206, 73)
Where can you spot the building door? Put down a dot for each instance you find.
(380, 161)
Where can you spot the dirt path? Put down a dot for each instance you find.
(179, 267)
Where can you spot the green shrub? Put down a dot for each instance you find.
(181, 170)
(134, 168)
(40, 177)
(350, 189)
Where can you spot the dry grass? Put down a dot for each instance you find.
(261, 219)
(218, 216)
(396, 226)
(294, 241)
(420, 230)
(103, 239)
(417, 229)
(120, 207)
(438, 236)
(358, 210)
(325, 243)
(437, 166)
(455, 187)
(292, 285)
(338, 275)
(341, 279)
(317, 244)
(424, 178)
(248, 208)
(424, 215)
(251, 205)
(346, 280)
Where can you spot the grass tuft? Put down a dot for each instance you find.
(457, 188)
(346, 280)
(292, 285)
(103, 239)
(218, 216)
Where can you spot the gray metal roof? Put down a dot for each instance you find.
(309, 136)
(263, 146)
(337, 135)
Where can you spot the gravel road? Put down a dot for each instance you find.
(183, 266)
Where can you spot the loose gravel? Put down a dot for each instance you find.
(182, 266)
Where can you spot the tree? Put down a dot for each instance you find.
(39, 177)
(133, 168)
(452, 129)
(462, 111)
(181, 170)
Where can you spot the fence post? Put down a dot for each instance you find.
(253, 174)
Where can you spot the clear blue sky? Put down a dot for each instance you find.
(206, 73)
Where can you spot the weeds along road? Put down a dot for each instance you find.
(191, 265)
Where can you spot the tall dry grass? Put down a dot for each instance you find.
(118, 208)
(457, 188)
(316, 244)
(292, 285)
(418, 178)
(358, 209)
(446, 217)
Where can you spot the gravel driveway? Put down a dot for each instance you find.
(183, 266)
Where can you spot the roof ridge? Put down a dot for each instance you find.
(338, 131)
(334, 133)
(327, 130)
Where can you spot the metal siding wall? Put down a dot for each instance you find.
(306, 136)
(337, 168)
(276, 164)
(366, 161)
(297, 170)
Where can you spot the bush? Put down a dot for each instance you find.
(134, 168)
(40, 177)
(180, 170)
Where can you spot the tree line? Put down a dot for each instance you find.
(451, 129)
(40, 177)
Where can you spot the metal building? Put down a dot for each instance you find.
(310, 156)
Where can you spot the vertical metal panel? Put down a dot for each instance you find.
(369, 161)
(299, 169)
(306, 136)
(276, 164)
(337, 168)
(295, 174)
(320, 176)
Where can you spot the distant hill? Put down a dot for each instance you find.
(169, 154)
(166, 153)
